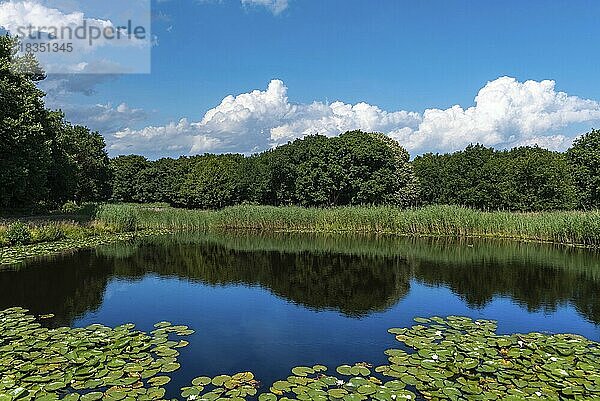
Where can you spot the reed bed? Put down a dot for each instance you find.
(572, 227)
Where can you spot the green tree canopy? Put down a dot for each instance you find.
(584, 158)
(524, 179)
(214, 182)
(25, 144)
(125, 172)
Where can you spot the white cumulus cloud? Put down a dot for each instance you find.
(505, 113)
(103, 117)
(28, 17)
(78, 40)
(275, 6)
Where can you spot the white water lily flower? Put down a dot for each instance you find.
(340, 382)
(393, 396)
(435, 357)
(538, 393)
(554, 359)
(520, 343)
(438, 333)
(191, 398)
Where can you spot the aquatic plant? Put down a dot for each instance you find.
(16, 254)
(441, 359)
(576, 228)
(122, 218)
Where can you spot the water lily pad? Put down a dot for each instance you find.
(267, 397)
(93, 396)
(345, 370)
(302, 371)
(221, 380)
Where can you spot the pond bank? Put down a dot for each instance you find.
(568, 228)
(120, 222)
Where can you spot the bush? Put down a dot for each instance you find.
(18, 234)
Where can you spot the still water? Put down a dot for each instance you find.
(268, 303)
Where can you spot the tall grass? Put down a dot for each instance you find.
(123, 218)
(580, 228)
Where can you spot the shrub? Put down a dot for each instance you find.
(18, 234)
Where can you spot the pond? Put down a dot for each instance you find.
(267, 303)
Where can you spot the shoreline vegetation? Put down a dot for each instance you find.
(568, 228)
(122, 222)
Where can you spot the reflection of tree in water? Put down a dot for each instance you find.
(354, 285)
(355, 276)
(68, 286)
(532, 285)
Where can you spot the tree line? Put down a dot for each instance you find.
(359, 168)
(352, 169)
(46, 161)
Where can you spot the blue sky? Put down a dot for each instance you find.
(399, 58)
(393, 53)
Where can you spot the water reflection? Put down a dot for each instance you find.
(353, 275)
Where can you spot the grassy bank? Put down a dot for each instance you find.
(116, 222)
(574, 228)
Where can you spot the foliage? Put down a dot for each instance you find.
(45, 160)
(24, 141)
(125, 171)
(18, 233)
(584, 158)
(353, 169)
(88, 163)
(521, 179)
(214, 182)
(48, 233)
(452, 358)
(161, 181)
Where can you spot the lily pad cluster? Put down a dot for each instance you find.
(86, 364)
(313, 384)
(455, 358)
(237, 387)
(460, 359)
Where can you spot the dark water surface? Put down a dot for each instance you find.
(268, 303)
